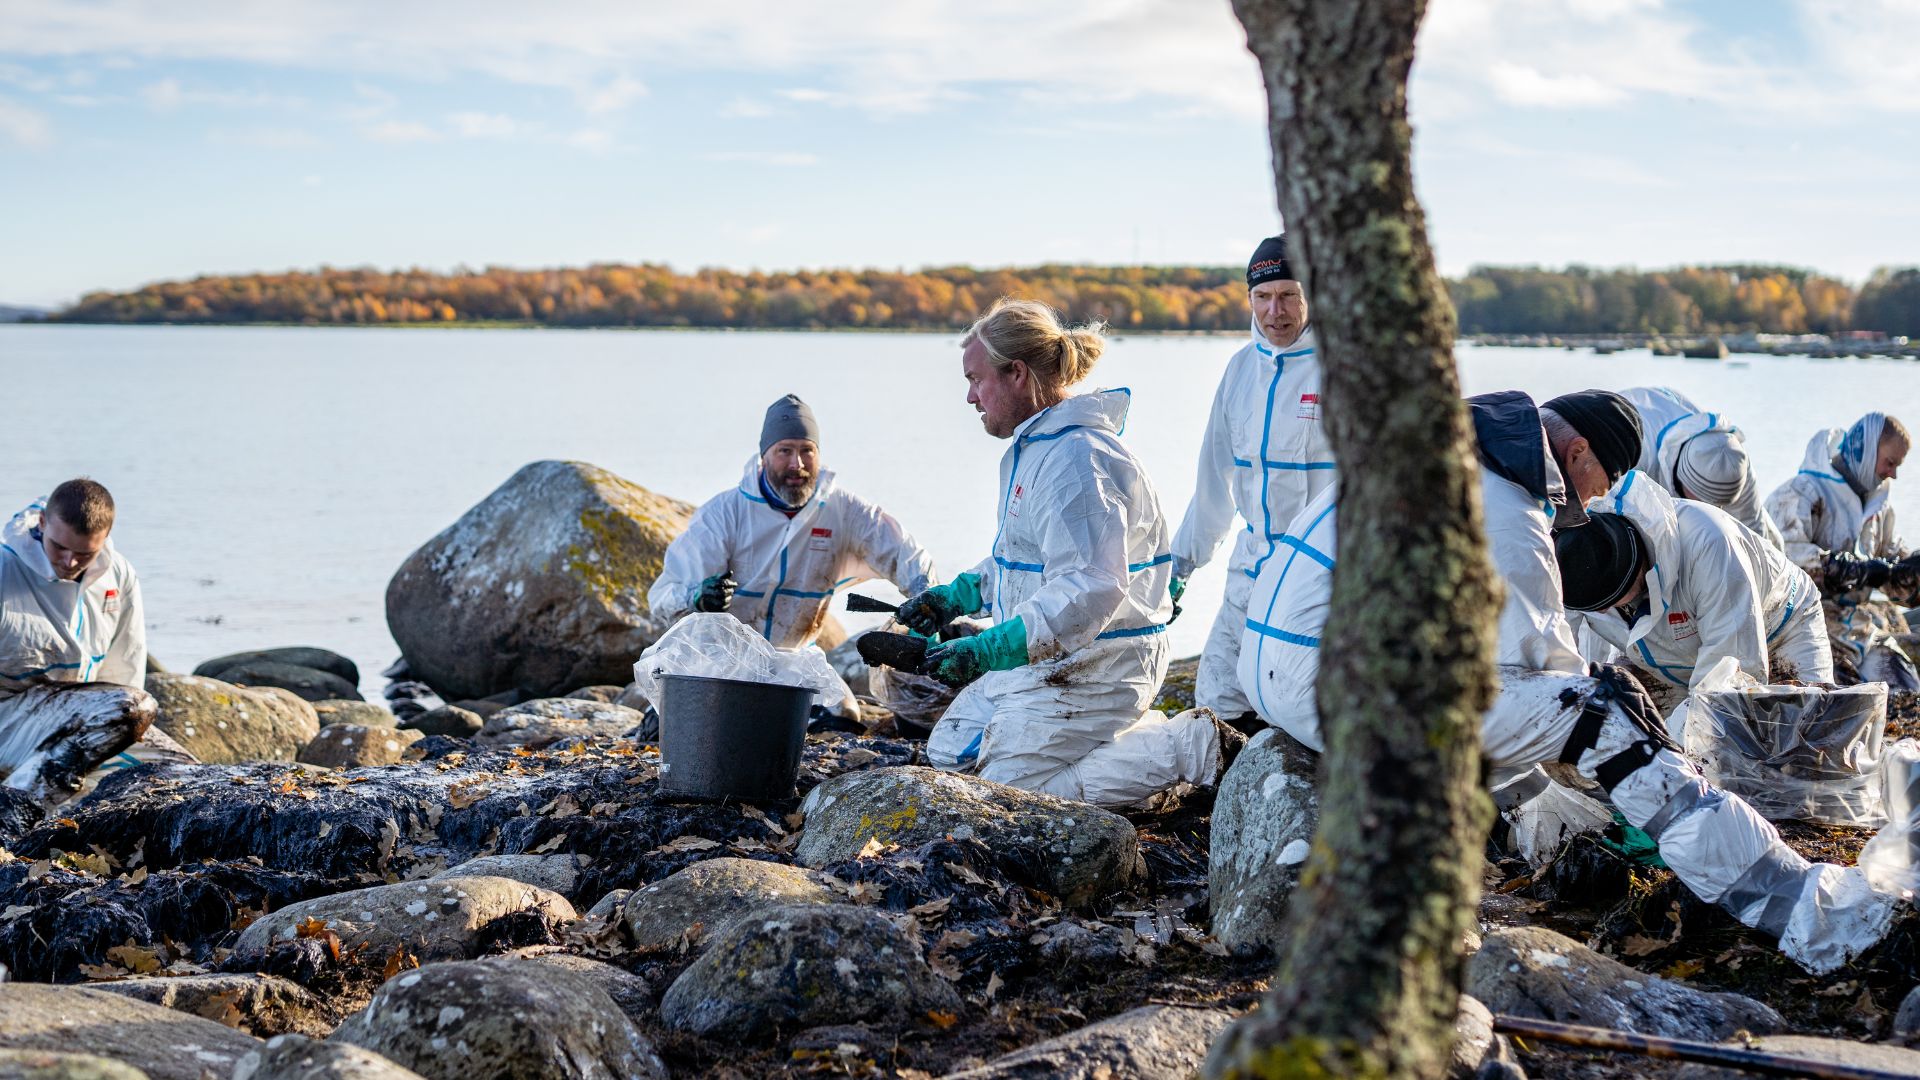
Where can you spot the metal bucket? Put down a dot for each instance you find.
(726, 739)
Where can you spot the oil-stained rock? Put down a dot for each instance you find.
(1264, 818)
(221, 723)
(164, 1044)
(1147, 1043)
(364, 713)
(555, 873)
(694, 904)
(297, 655)
(802, 965)
(548, 720)
(260, 1005)
(1070, 849)
(309, 684)
(350, 746)
(432, 920)
(446, 720)
(501, 1020)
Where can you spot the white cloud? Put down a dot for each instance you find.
(590, 140)
(163, 96)
(764, 157)
(475, 125)
(23, 125)
(1517, 84)
(745, 108)
(616, 93)
(401, 131)
(168, 94)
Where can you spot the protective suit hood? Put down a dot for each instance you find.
(18, 539)
(1513, 446)
(1858, 454)
(750, 481)
(1102, 410)
(1262, 342)
(1649, 506)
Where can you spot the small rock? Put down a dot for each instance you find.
(1073, 943)
(295, 1057)
(299, 656)
(164, 1044)
(802, 966)
(1264, 818)
(48, 1065)
(446, 720)
(223, 724)
(1147, 1043)
(260, 1005)
(350, 746)
(548, 720)
(364, 713)
(312, 684)
(433, 920)
(629, 991)
(1533, 972)
(1070, 849)
(555, 873)
(609, 695)
(1890, 1060)
(610, 906)
(509, 1019)
(632, 698)
(697, 902)
(1473, 1039)
(1906, 1021)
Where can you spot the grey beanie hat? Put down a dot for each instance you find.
(788, 418)
(1712, 467)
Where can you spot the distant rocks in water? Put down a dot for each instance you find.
(221, 723)
(445, 720)
(548, 720)
(347, 746)
(298, 656)
(364, 713)
(540, 587)
(314, 674)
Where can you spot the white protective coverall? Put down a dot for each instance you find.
(1668, 420)
(1081, 557)
(1715, 589)
(786, 569)
(1819, 511)
(1264, 455)
(1718, 845)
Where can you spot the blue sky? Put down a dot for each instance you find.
(141, 141)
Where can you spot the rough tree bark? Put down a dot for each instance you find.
(1369, 982)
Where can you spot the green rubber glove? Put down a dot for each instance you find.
(958, 663)
(716, 592)
(1176, 588)
(931, 611)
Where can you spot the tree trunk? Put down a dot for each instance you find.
(1369, 983)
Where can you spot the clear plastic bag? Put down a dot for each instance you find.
(716, 645)
(1793, 751)
(1891, 858)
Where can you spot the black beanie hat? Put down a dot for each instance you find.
(1609, 423)
(1598, 561)
(1269, 262)
(788, 418)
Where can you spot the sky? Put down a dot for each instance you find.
(143, 141)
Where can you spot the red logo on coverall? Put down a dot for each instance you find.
(1013, 504)
(820, 538)
(111, 602)
(1309, 407)
(1680, 624)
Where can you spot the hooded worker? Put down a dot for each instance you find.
(1058, 691)
(773, 551)
(1699, 455)
(1836, 515)
(1677, 585)
(73, 644)
(1598, 730)
(1264, 456)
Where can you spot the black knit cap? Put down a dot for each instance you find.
(1609, 423)
(1598, 561)
(1269, 262)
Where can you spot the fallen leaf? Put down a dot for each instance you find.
(686, 843)
(140, 961)
(310, 927)
(241, 780)
(101, 972)
(1213, 948)
(1641, 945)
(873, 848)
(865, 892)
(932, 907)
(14, 911)
(964, 873)
(1685, 969)
(400, 960)
(943, 1020)
(993, 985)
(554, 842)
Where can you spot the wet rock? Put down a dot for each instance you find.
(1473, 1038)
(629, 991)
(694, 904)
(1264, 818)
(295, 1057)
(348, 746)
(800, 965)
(58, 733)
(1890, 1060)
(555, 873)
(18, 813)
(1068, 942)
(1533, 972)
(446, 720)
(609, 695)
(163, 1043)
(437, 920)
(364, 713)
(311, 684)
(260, 1005)
(1147, 1043)
(299, 656)
(610, 906)
(1906, 1021)
(501, 1020)
(1070, 849)
(548, 720)
(541, 587)
(221, 723)
(48, 1065)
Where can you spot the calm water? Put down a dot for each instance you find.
(271, 480)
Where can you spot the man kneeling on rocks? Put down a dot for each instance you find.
(73, 645)
(1592, 727)
(1057, 692)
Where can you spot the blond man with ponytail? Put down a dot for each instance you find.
(1057, 692)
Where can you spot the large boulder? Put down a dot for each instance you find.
(800, 965)
(224, 724)
(501, 1020)
(446, 720)
(299, 656)
(548, 720)
(348, 746)
(1147, 1043)
(47, 1065)
(1263, 823)
(555, 873)
(433, 920)
(1070, 849)
(296, 1057)
(310, 684)
(629, 991)
(541, 587)
(365, 713)
(261, 1005)
(164, 1044)
(692, 905)
(1533, 972)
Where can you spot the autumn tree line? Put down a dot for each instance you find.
(1523, 300)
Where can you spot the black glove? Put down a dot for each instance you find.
(1634, 700)
(1903, 581)
(1845, 571)
(716, 593)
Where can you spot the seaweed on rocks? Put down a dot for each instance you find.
(18, 813)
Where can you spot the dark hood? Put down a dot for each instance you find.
(1510, 442)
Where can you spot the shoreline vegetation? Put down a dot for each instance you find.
(1686, 304)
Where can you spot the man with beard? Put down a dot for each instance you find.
(773, 551)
